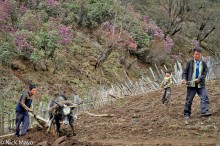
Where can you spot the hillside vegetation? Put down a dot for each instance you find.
(72, 46)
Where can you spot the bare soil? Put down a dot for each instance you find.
(142, 120)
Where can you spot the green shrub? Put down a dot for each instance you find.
(30, 21)
(96, 12)
(47, 45)
(7, 53)
(135, 28)
(71, 10)
(47, 42)
(101, 10)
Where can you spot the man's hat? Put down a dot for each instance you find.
(32, 86)
(197, 49)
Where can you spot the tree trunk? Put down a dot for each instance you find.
(206, 47)
(103, 57)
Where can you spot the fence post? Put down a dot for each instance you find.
(180, 67)
(2, 117)
(177, 74)
(39, 109)
(48, 107)
(151, 83)
(1, 122)
(163, 73)
(113, 89)
(44, 111)
(75, 101)
(9, 120)
(165, 67)
(160, 76)
(128, 78)
(152, 72)
(90, 99)
(13, 120)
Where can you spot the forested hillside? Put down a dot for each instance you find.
(72, 46)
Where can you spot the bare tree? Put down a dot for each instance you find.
(110, 46)
(202, 35)
(203, 16)
(116, 38)
(175, 11)
(180, 12)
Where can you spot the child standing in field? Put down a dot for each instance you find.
(166, 84)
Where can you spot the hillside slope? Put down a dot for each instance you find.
(143, 120)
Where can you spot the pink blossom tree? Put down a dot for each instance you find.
(66, 34)
(115, 37)
(5, 8)
(168, 44)
(158, 33)
(195, 42)
(23, 44)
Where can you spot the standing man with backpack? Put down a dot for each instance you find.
(194, 76)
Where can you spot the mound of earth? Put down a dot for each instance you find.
(142, 120)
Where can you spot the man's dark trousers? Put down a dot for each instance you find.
(22, 117)
(204, 101)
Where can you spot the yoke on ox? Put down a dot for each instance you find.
(63, 110)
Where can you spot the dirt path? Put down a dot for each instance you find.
(143, 120)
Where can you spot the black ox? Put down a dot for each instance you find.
(63, 111)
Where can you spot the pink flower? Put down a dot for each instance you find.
(175, 57)
(131, 44)
(66, 34)
(8, 29)
(5, 8)
(195, 42)
(106, 26)
(23, 45)
(157, 31)
(146, 19)
(22, 8)
(52, 3)
(168, 44)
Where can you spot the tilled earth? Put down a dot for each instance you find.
(141, 120)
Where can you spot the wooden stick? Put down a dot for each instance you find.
(114, 96)
(11, 134)
(3, 136)
(100, 115)
(39, 119)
